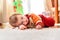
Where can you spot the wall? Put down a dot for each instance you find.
(9, 8)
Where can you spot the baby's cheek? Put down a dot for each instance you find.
(25, 22)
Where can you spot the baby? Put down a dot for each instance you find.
(30, 21)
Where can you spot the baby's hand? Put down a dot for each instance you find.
(22, 27)
(38, 26)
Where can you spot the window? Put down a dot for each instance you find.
(33, 6)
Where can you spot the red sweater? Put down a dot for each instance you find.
(48, 21)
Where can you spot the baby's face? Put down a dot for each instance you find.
(22, 20)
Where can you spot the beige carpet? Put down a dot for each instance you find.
(29, 34)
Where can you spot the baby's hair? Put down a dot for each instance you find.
(0, 24)
(13, 20)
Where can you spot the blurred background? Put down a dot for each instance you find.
(46, 7)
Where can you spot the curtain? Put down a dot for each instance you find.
(1, 10)
(7, 10)
(48, 7)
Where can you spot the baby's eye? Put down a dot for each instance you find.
(21, 17)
